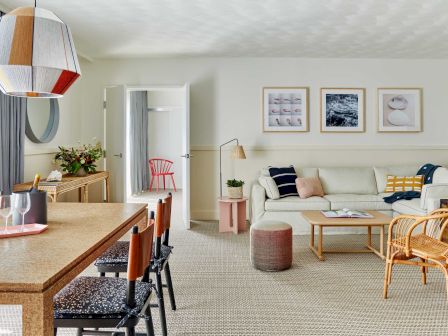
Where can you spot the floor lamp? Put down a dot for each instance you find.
(237, 153)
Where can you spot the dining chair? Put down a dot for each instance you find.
(417, 241)
(161, 168)
(101, 302)
(114, 260)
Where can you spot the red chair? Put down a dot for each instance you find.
(161, 167)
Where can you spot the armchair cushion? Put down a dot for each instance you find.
(409, 207)
(433, 191)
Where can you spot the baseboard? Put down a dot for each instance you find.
(204, 215)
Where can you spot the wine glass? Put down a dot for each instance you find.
(6, 209)
(22, 203)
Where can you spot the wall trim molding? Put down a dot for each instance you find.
(330, 147)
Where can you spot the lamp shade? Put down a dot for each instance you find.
(37, 54)
(238, 152)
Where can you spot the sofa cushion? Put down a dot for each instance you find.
(348, 181)
(381, 174)
(404, 183)
(285, 178)
(309, 186)
(411, 207)
(440, 175)
(270, 186)
(301, 172)
(295, 203)
(307, 172)
(357, 202)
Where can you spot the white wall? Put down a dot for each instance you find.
(226, 103)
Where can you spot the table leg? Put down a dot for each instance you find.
(80, 191)
(86, 194)
(225, 217)
(107, 189)
(54, 198)
(242, 223)
(318, 252)
(37, 314)
(382, 241)
(369, 236)
(320, 243)
(234, 208)
(312, 236)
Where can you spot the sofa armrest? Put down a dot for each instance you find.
(257, 200)
(433, 191)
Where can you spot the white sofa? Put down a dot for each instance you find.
(353, 188)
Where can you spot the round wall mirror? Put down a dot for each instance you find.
(42, 119)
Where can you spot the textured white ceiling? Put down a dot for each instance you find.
(296, 28)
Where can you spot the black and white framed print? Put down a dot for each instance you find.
(399, 110)
(342, 110)
(285, 109)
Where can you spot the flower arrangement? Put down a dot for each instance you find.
(79, 160)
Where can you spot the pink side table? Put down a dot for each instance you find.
(232, 214)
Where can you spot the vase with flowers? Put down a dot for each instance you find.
(81, 160)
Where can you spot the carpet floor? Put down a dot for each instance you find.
(219, 293)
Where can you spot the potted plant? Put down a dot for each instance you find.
(235, 188)
(81, 160)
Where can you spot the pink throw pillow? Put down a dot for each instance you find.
(309, 186)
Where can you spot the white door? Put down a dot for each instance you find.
(186, 159)
(115, 141)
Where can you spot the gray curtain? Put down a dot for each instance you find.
(12, 141)
(139, 142)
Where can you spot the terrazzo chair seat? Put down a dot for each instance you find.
(100, 302)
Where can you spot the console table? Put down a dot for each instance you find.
(69, 183)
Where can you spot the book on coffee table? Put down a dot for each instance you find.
(346, 213)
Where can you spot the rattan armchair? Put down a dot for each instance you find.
(417, 241)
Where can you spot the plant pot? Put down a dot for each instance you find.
(81, 172)
(235, 192)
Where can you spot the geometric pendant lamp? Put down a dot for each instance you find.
(37, 54)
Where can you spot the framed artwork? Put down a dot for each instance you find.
(342, 110)
(285, 109)
(399, 110)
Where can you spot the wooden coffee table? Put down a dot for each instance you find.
(316, 218)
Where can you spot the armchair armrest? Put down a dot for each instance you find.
(257, 200)
(437, 191)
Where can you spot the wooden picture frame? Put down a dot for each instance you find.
(285, 109)
(400, 110)
(342, 110)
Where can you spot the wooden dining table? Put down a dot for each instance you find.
(34, 268)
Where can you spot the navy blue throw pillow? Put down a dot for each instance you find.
(285, 178)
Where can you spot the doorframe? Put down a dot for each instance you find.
(125, 120)
(128, 90)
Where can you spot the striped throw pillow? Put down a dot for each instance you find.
(285, 178)
(404, 183)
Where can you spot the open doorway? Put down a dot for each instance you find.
(156, 128)
(168, 149)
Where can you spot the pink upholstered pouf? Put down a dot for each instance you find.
(271, 245)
